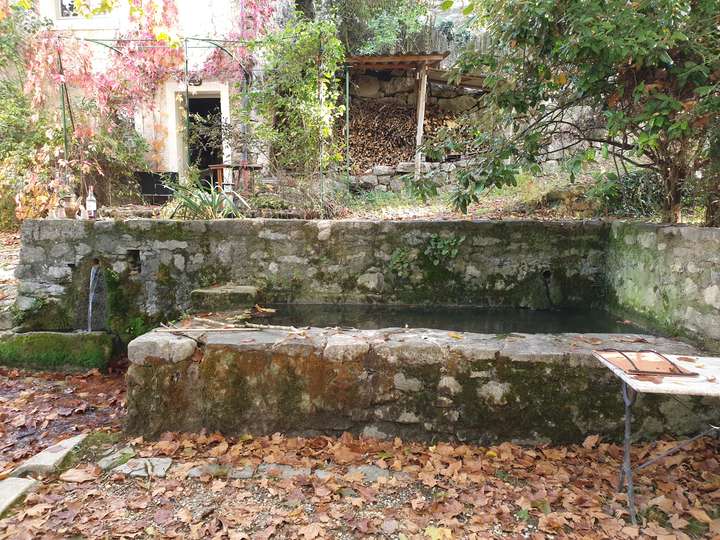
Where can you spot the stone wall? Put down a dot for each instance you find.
(400, 87)
(150, 267)
(394, 178)
(670, 275)
(416, 384)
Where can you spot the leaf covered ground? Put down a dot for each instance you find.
(38, 409)
(438, 491)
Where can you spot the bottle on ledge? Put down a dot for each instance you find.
(91, 204)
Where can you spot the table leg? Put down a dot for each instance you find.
(629, 396)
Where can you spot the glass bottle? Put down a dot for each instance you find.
(91, 204)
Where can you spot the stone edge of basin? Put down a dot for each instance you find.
(424, 345)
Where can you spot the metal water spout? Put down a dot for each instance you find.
(94, 271)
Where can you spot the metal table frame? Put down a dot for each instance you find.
(629, 396)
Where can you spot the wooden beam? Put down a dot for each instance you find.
(422, 91)
(399, 61)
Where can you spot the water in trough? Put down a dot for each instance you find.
(459, 319)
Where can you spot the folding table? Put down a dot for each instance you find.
(652, 372)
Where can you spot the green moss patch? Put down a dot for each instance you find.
(94, 447)
(55, 350)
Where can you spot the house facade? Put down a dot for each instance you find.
(162, 124)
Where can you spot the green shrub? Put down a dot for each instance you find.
(637, 193)
(194, 199)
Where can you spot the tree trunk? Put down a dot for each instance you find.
(672, 209)
(712, 205)
(712, 201)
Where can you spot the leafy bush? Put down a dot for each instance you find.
(294, 107)
(634, 80)
(401, 263)
(636, 193)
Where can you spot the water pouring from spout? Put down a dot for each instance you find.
(91, 296)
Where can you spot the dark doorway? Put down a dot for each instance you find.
(205, 133)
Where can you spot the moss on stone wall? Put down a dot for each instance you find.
(125, 318)
(56, 350)
(418, 384)
(665, 277)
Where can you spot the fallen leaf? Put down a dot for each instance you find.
(591, 441)
(310, 531)
(700, 515)
(80, 475)
(219, 450)
(438, 533)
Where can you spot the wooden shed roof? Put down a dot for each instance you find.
(395, 61)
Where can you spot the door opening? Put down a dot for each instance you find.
(205, 142)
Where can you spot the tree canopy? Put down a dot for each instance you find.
(637, 82)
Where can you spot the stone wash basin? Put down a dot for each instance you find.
(413, 383)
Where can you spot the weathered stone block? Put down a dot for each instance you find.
(367, 181)
(53, 350)
(365, 86)
(49, 459)
(383, 170)
(415, 384)
(166, 347)
(228, 297)
(458, 104)
(398, 85)
(12, 490)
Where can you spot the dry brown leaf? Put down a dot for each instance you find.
(139, 503)
(591, 441)
(700, 515)
(219, 450)
(343, 454)
(184, 515)
(677, 522)
(311, 531)
(80, 475)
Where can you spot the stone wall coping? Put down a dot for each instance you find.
(668, 228)
(102, 223)
(417, 346)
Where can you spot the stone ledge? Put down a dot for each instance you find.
(49, 460)
(223, 297)
(55, 350)
(12, 490)
(412, 383)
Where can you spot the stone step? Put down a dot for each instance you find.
(49, 459)
(12, 490)
(223, 298)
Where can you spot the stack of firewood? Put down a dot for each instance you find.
(383, 132)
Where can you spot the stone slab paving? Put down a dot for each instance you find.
(49, 459)
(281, 471)
(162, 467)
(12, 490)
(116, 458)
(144, 467)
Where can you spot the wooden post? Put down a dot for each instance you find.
(422, 90)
